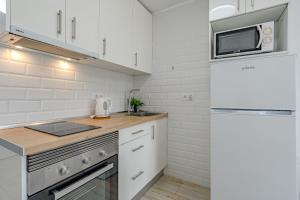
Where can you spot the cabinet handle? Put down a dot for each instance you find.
(138, 175)
(104, 47)
(137, 132)
(74, 28)
(153, 132)
(252, 3)
(138, 148)
(59, 16)
(239, 5)
(136, 59)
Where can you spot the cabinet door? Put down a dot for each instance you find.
(219, 9)
(133, 167)
(252, 5)
(82, 21)
(142, 38)
(160, 145)
(116, 31)
(40, 20)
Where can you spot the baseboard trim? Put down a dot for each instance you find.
(148, 186)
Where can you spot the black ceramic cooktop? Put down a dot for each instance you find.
(62, 128)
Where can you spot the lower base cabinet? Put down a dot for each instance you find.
(142, 155)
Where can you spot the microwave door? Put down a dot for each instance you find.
(240, 41)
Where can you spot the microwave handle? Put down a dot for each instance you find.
(67, 190)
(260, 36)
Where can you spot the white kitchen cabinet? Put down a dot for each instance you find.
(82, 24)
(116, 31)
(252, 5)
(134, 168)
(159, 147)
(142, 155)
(142, 38)
(39, 20)
(219, 9)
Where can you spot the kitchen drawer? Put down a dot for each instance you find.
(131, 133)
(133, 166)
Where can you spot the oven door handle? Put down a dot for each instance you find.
(61, 193)
(260, 36)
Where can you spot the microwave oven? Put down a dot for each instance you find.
(259, 38)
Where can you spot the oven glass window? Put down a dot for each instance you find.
(237, 41)
(103, 187)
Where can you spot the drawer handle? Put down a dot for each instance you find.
(138, 175)
(137, 132)
(136, 149)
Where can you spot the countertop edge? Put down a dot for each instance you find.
(12, 147)
(26, 152)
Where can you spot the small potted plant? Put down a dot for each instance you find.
(136, 104)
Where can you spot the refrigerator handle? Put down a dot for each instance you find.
(254, 112)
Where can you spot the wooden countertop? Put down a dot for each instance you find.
(28, 142)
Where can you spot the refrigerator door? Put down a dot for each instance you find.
(253, 155)
(254, 83)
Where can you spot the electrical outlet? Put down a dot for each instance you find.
(188, 97)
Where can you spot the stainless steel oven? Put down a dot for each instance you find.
(253, 39)
(83, 171)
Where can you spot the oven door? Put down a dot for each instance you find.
(238, 42)
(100, 182)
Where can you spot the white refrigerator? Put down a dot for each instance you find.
(253, 129)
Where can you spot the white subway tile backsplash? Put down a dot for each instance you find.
(53, 84)
(54, 105)
(39, 116)
(64, 74)
(5, 80)
(25, 81)
(12, 67)
(64, 94)
(12, 93)
(10, 119)
(3, 106)
(39, 94)
(83, 95)
(74, 85)
(24, 106)
(41, 71)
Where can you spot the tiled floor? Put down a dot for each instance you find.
(168, 188)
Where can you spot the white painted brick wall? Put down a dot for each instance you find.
(181, 40)
(35, 87)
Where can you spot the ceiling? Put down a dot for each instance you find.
(158, 5)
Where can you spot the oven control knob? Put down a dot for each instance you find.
(85, 160)
(102, 153)
(63, 170)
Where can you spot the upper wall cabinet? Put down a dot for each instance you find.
(43, 20)
(116, 31)
(220, 9)
(63, 23)
(252, 5)
(82, 22)
(142, 38)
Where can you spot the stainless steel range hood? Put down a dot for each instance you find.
(10, 36)
(14, 40)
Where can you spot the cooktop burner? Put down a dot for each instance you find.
(62, 128)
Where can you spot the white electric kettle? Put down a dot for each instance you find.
(103, 106)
